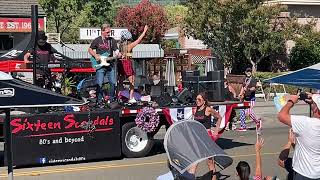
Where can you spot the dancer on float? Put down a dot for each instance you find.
(125, 65)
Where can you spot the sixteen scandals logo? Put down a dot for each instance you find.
(6, 92)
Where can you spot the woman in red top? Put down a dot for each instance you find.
(126, 67)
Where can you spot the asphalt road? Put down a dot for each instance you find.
(239, 145)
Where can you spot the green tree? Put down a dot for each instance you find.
(240, 32)
(306, 51)
(259, 39)
(61, 13)
(102, 11)
(218, 24)
(176, 15)
(67, 16)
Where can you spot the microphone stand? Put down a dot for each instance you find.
(65, 61)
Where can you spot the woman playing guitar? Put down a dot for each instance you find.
(248, 93)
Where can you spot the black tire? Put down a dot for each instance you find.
(134, 141)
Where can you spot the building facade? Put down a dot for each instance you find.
(306, 10)
(15, 22)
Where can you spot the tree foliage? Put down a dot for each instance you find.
(176, 15)
(218, 24)
(261, 36)
(306, 51)
(144, 13)
(102, 11)
(240, 32)
(67, 16)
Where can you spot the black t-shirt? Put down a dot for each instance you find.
(104, 45)
(249, 82)
(44, 53)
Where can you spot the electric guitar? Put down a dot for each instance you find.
(103, 62)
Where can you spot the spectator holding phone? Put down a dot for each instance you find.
(306, 158)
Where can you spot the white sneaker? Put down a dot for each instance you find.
(132, 101)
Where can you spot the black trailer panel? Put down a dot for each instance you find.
(51, 138)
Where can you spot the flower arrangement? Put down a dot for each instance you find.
(147, 119)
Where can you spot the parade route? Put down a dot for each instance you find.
(239, 145)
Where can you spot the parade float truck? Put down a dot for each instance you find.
(64, 137)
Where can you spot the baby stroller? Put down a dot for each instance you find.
(187, 143)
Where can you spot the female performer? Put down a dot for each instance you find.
(126, 67)
(204, 115)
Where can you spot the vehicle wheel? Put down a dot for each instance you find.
(135, 142)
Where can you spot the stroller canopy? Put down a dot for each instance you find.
(187, 143)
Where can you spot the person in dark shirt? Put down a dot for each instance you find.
(230, 93)
(204, 114)
(248, 93)
(101, 45)
(44, 54)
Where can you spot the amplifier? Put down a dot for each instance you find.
(164, 100)
(186, 74)
(215, 91)
(215, 76)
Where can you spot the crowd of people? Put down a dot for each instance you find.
(303, 138)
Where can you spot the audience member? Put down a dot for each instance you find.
(243, 168)
(284, 161)
(306, 157)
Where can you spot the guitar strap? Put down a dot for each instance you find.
(248, 81)
(110, 46)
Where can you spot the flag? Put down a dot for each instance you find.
(222, 111)
(186, 113)
(177, 114)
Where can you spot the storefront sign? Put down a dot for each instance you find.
(92, 33)
(18, 24)
(65, 137)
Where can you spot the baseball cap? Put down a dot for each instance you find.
(316, 99)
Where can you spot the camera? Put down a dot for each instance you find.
(303, 96)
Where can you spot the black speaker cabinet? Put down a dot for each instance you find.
(215, 91)
(186, 97)
(215, 76)
(186, 74)
(164, 100)
(155, 91)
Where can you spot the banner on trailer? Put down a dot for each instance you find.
(65, 137)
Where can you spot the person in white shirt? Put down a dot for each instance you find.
(306, 158)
